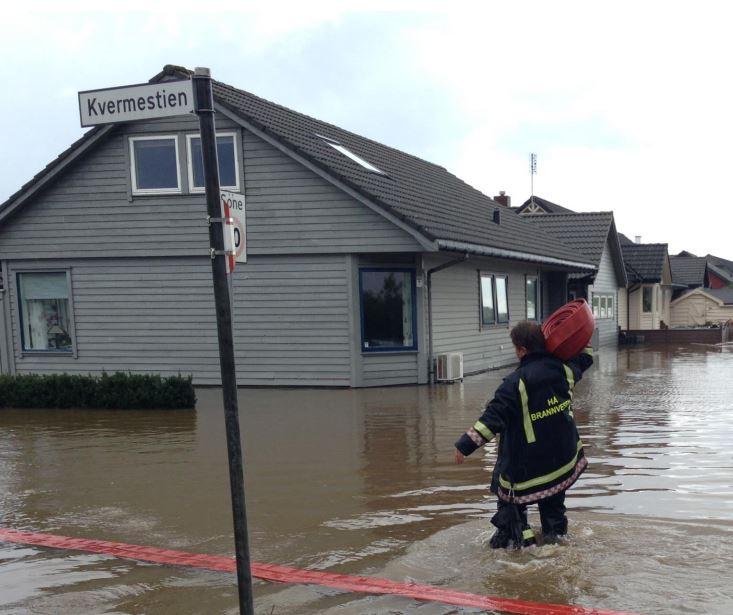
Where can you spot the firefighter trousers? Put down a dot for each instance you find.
(552, 516)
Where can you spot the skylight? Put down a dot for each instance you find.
(358, 159)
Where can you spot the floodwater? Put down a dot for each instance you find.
(363, 482)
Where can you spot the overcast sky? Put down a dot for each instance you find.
(627, 105)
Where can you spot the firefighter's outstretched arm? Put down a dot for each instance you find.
(580, 363)
(493, 421)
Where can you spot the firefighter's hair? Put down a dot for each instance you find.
(528, 335)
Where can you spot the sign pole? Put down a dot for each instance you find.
(204, 107)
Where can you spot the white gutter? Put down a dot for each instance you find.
(460, 246)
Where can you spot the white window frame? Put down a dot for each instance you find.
(29, 352)
(495, 297)
(536, 278)
(189, 159)
(603, 305)
(133, 174)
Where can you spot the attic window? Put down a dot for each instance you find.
(348, 153)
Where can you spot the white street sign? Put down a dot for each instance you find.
(233, 207)
(136, 102)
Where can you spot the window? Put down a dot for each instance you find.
(494, 299)
(603, 305)
(154, 165)
(349, 154)
(44, 311)
(646, 299)
(226, 153)
(532, 297)
(388, 312)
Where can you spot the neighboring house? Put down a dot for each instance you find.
(688, 272)
(650, 284)
(364, 263)
(594, 236)
(537, 205)
(702, 306)
(719, 272)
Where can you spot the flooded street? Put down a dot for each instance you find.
(363, 482)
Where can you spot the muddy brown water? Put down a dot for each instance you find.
(363, 482)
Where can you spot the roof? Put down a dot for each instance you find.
(425, 195)
(585, 232)
(688, 270)
(645, 261)
(548, 206)
(624, 240)
(722, 295)
(721, 266)
(422, 195)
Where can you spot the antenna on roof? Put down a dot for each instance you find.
(532, 173)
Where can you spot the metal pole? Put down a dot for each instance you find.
(204, 106)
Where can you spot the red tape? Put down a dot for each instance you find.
(285, 574)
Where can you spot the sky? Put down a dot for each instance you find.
(627, 104)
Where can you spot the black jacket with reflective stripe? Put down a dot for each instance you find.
(540, 452)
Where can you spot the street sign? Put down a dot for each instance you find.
(140, 102)
(233, 207)
(135, 102)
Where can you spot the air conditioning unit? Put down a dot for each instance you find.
(449, 367)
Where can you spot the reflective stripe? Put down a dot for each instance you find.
(528, 533)
(485, 432)
(541, 480)
(571, 380)
(528, 428)
(588, 351)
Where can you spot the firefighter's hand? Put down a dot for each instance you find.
(460, 457)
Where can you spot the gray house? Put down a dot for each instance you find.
(594, 236)
(364, 263)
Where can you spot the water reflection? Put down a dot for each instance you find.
(364, 482)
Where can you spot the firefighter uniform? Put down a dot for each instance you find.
(540, 453)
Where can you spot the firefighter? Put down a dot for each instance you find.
(540, 453)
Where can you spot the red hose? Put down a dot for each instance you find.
(569, 329)
(285, 574)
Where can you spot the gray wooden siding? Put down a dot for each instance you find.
(290, 209)
(157, 316)
(607, 283)
(4, 348)
(89, 211)
(384, 369)
(456, 316)
(142, 315)
(291, 321)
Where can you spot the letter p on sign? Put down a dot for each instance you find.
(235, 236)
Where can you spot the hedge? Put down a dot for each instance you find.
(119, 391)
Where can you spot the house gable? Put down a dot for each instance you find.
(89, 209)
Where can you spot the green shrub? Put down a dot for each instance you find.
(116, 391)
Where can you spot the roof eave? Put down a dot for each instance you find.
(472, 248)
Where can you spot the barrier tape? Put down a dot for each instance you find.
(286, 574)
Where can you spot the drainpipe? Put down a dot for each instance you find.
(431, 369)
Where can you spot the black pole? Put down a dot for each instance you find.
(204, 106)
